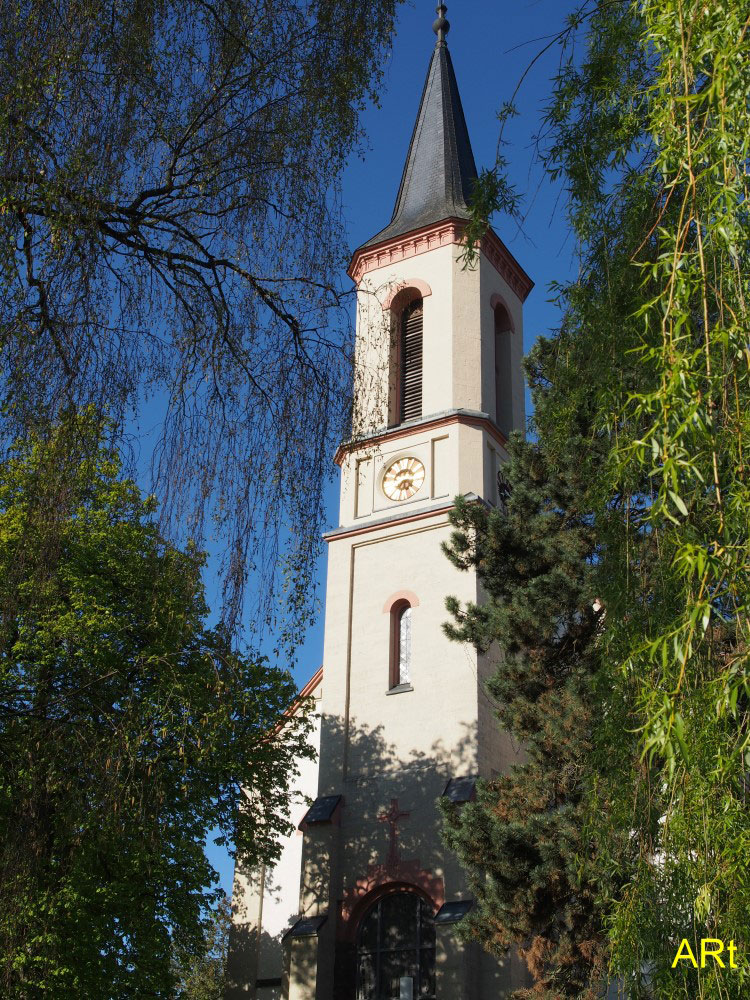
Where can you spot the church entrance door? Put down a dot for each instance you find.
(396, 950)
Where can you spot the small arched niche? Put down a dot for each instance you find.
(503, 365)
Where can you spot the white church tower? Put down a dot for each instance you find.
(369, 895)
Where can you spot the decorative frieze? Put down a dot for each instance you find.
(438, 235)
(411, 245)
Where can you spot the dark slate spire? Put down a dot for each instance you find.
(439, 171)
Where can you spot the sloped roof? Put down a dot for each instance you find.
(440, 170)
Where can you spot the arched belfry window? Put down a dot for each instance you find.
(503, 370)
(396, 941)
(400, 644)
(410, 362)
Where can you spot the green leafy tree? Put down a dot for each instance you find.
(202, 975)
(129, 729)
(659, 207)
(683, 653)
(648, 132)
(170, 226)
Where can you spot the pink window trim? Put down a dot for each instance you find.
(498, 300)
(400, 596)
(381, 881)
(405, 292)
(394, 652)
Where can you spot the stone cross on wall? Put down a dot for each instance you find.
(391, 817)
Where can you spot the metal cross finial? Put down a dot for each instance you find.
(441, 26)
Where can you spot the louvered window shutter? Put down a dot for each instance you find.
(411, 361)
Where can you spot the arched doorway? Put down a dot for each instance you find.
(395, 941)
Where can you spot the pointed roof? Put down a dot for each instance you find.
(440, 169)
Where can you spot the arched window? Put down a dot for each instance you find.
(503, 370)
(410, 362)
(396, 941)
(400, 644)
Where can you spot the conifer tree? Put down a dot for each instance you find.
(522, 841)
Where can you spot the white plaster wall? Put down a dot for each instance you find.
(335, 657)
(265, 903)
(466, 337)
(376, 746)
(281, 883)
(438, 718)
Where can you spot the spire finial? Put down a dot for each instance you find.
(441, 27)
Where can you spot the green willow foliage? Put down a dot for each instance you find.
(695, 351)
(686, 429)
(648, 131)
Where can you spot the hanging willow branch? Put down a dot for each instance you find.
(171, 240)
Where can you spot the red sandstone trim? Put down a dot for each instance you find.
(398, 432)
(395, 605)
(382, 880)
(498, 300)
(441, 234)
(306, 691)
(402, 294)
(401, 595)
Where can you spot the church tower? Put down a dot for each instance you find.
(404, 715)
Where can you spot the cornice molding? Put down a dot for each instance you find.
(404, 430)
(401, 247)
(397, 519)
(506, 264)
(440, 234)
(386, 522)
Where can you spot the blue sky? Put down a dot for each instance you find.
(491, 44)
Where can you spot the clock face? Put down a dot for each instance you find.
(403, 478)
